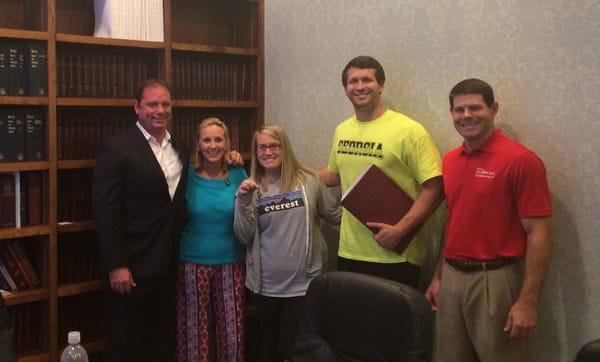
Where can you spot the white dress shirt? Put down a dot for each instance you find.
(167, 158)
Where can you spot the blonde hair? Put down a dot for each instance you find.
(198, 159)
(292, 170)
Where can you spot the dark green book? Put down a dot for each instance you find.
(17, 79)
(15, 135)
(34, 135)
(37, 66)
(3, 68)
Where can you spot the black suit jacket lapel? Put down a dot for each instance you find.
(151, 163)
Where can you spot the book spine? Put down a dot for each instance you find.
(15, 135)
(34, 135)
(24, 263)
(4, 284)
(4, 56)
(12, 267)
(17, 78)
(33, 184)
(6, 276)
(37, 69)
(19, 200)
(3, 135)
(7, 201)
(21, 271)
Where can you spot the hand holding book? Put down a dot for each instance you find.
(379, 203)
(389, 236)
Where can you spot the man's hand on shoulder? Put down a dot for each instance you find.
(522, 320)
(121, 280)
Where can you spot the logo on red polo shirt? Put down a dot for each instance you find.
(480, 172)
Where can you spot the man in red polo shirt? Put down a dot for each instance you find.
(498, 237)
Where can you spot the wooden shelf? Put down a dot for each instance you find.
(24, 166)
(94, 102)
(34, 357)
(25, 296)
(79, 288)
(24, 101)
(214, 49)
(75, 226)
(13, 233)
(91, 40)
(76, 164)
(23, 34)
(192, 103)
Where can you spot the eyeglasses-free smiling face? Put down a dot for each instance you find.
(212, 143)
(473, 118)
(362, 88)
(154, 110)
(268, 152)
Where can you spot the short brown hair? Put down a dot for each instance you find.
(364, 62)
(149, 83)
(473, 86)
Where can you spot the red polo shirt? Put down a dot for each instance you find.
(488, 191)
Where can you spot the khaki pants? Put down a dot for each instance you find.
(473, 309)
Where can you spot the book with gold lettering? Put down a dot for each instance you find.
(376, 197)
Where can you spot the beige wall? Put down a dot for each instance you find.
(542, 58)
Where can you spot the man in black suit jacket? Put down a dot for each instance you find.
(138, 197)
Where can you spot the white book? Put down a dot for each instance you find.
(129, 19)
(158, 21)
(104, 18)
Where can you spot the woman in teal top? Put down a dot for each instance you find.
(211, 273)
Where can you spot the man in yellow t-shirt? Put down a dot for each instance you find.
(405, 151)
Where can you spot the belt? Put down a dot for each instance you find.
(476, 265)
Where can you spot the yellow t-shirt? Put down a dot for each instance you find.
(405, 151)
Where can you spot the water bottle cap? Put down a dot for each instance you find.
(74, 337)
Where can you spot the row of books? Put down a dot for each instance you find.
(198, 76)
(21, 199)
(81, 131)
(16, 271)
(78, 255)
(74, 195)
(29, 322)
(22, 132)
(82, 313)
(23, 68)
(185, 127)
(112, 74)
(131, 19)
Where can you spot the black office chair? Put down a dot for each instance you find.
(356, 317)
(590, 352)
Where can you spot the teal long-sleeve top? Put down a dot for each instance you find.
(208, 235)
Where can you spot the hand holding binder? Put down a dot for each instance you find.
(378, 202)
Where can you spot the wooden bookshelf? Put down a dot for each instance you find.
(75, 164)
(25, 296)
(91, 40)
(23, 232)
(23, 34)
(24, 166)
(79, 288)
(213, 57)
(24, 101)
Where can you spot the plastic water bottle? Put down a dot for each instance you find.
(74, 352)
